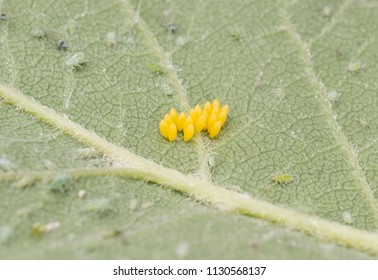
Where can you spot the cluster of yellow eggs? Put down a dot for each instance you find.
(208, 118)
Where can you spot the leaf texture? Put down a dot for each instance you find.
(298, 76)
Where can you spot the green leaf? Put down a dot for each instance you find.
(85, 173)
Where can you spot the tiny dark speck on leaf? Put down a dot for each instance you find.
(171, 27)
(62, 45)
(3, 16)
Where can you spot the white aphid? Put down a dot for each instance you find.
(76, 59)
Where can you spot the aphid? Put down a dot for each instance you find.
(52, 226)
(181, 41)
(60, 184)
(62, 45)
(237, 35)
(3, 16)
(37, 230)
(156, 69)
(356, 67)
(87, 153)
(133, 204)
(146, 204)
(99, 206)
(39, 33)
(171, 27)
(111, 233)
(282, 178)
(24, 182)
(76, 60)
(81, 193)
(71, 26)
(327, 11)
(211, 161)
(111, 39)
(348, 217)
(364, 122)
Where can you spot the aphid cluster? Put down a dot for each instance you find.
(208, 118)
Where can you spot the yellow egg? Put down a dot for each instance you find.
(214, 130)
(198, 109)
(215, 111)
(167, 119)
(172, 132)
(208, 118)
(188, 132)
(211, 121)
(163, 129)
(223, 114)
(173, 114)
(225, 109)
(194, 115)
(188, 121)
(216, 103)
(207, 107)
(180, 121)
(201, 122)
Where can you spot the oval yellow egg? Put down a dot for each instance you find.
(214, 130)
(163, 129)
(188, 132)
(172, 132)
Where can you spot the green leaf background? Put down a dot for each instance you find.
(299, 78)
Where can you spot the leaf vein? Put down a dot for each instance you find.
(202, 190)
(167, 64)
(321, 94)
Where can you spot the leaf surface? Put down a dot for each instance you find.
(299, 78)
